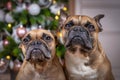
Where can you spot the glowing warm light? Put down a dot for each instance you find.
(8, 57)
(65, 8)
(56, 17)
(9, 25)
(60, 34)
(58, 13)
(54, 2)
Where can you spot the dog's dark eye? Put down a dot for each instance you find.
(90, 27)
(69, 24)
(46, 37)
(26, 39)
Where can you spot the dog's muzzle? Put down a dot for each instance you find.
(37, 51)
(79, 36)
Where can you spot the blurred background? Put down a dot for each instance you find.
(17, 17)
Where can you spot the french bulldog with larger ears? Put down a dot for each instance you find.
(85, 58)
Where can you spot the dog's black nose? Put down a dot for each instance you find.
(36, 43)
(78, 28)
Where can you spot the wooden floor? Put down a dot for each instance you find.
(4, 76)
(8, 75)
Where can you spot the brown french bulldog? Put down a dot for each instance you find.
(85, 58)
(41, 62)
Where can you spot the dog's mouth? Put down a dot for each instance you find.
(81, 39)
(38, 54)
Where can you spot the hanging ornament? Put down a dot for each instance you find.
(17, 65)
(5, 42)
(9, 5)
(3, 65)
(20, 7)
(2, 15)
(55, 8)
(34, 9)
(21, 31)
(45, 3)
(9, 18)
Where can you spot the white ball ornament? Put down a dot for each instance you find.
(9, 18)
(20, 8)
(34, 9)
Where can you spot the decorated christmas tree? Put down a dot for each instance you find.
(17, 17)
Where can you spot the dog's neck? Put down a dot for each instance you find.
(45, 66)
(42, 66)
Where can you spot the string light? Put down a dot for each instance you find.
(56, 17)
(60, 37)
(8, 57)
(58, 13)
(65, 8)
(59, 34)
(9, 25)
(54, 2)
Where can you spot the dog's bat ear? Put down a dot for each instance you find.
(97, 19)
(63, 17)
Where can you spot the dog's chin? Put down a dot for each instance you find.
(37, 56)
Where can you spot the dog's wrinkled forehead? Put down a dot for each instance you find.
(79, 19)
(36, 34)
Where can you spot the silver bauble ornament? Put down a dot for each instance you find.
(9, 18)
(34, 9)
(45, 3)
(55, 8)
(20, 8)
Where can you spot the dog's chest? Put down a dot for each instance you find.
(78, 70)
(40, 77)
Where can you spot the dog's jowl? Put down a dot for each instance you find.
(40, 63)
(85, 58)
